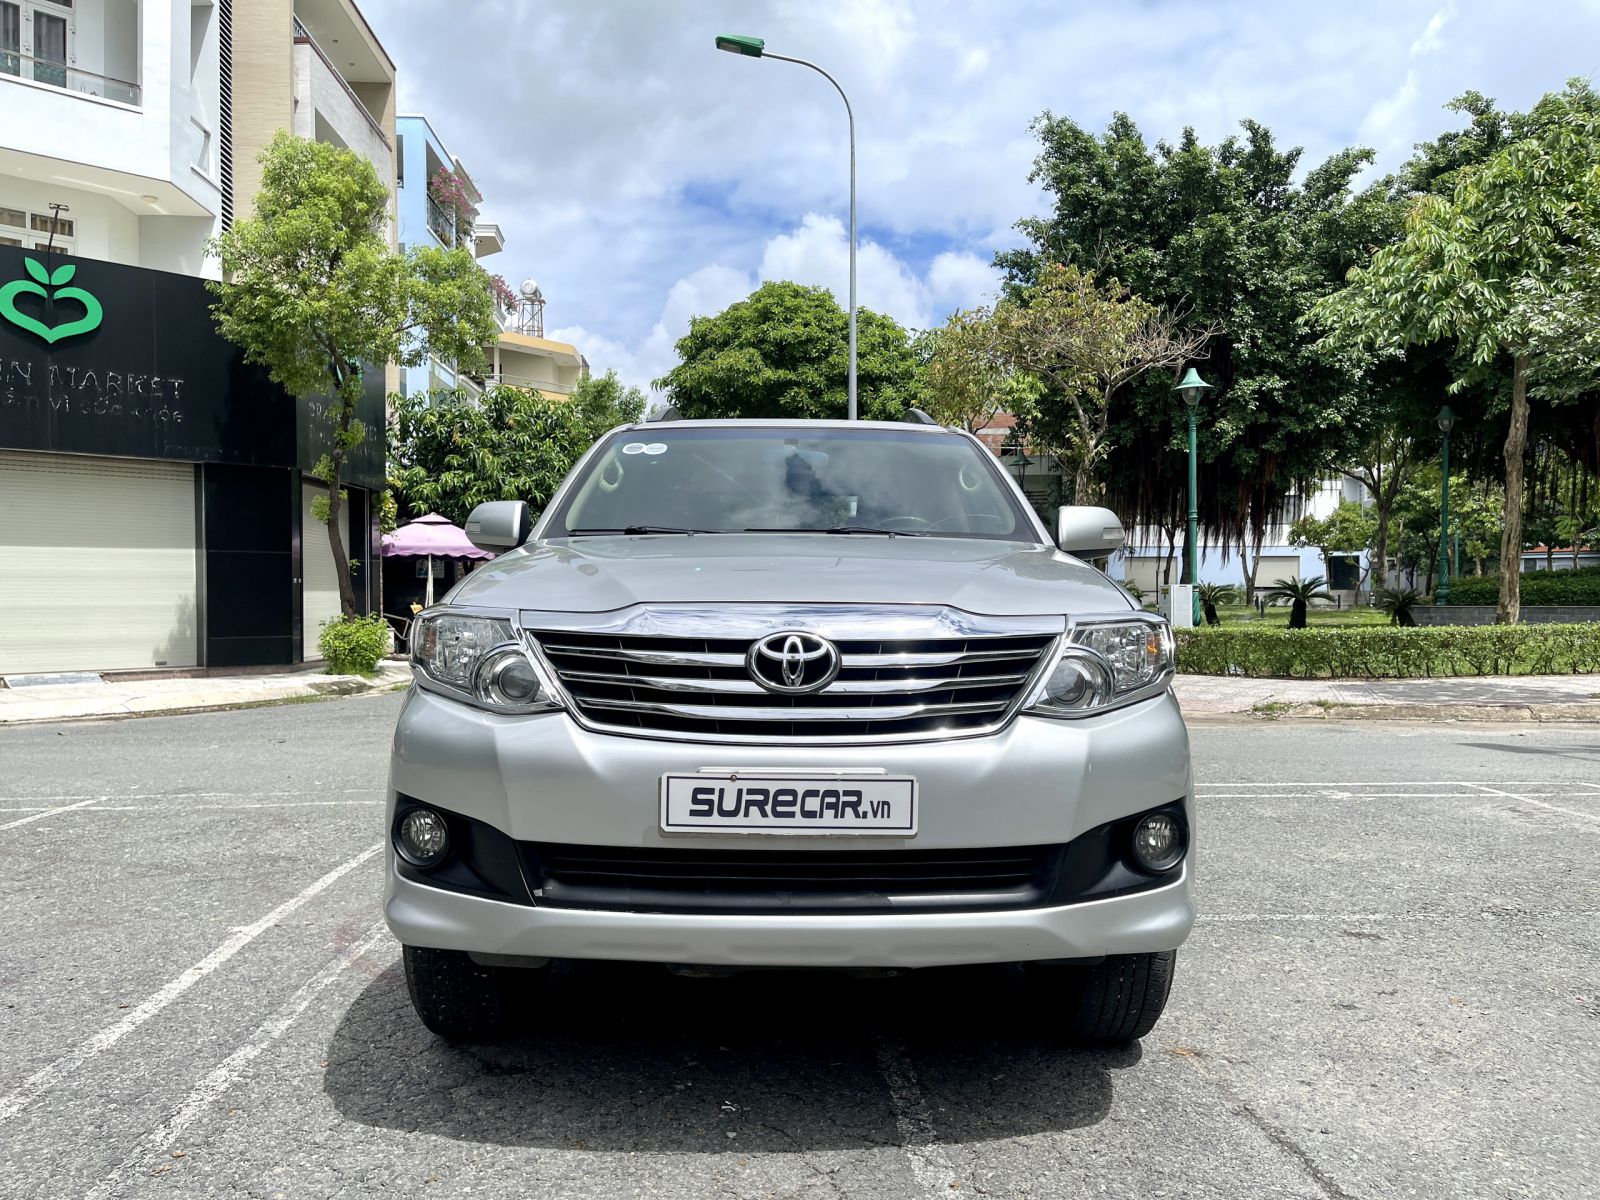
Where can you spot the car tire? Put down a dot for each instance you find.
(459, 999)
(1111, 1003)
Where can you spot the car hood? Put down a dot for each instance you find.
(601, 574)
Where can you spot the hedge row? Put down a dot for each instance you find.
(1538, 587)
(1390, 652)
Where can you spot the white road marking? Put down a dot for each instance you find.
(50, 812)
(1571, 812)
(223, 1076)
(256, 795)
(931, 1164)
(47, 1076)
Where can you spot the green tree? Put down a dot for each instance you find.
(449, 455)
(604, 402)
(1227, 235)
(1481, 268)
(1089, 339)
(783, 351)
(965, 376)
(311, 289)
(1349, 527)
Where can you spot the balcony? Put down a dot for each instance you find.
(442, 221)
(328, 109)
(69, 78)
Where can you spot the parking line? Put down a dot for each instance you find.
(1571, 812)
(47, 1076)
(50, 812)
(223, 1076)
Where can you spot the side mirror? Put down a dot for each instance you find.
(1087, 531)
(500, 525)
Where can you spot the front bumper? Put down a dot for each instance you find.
(545, 779)
(1141, 922)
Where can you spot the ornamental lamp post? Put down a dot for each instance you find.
(1190, 388)
(754, 47)
(1447, 422)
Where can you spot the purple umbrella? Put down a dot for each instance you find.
(432, 537)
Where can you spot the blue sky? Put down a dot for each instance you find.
(642, 178)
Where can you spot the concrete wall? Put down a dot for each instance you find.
(263, 89)
(1484, 614)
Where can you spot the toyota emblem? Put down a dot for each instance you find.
(793, 663)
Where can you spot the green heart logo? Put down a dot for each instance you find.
(39, 285)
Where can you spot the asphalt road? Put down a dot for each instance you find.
(1394, 991)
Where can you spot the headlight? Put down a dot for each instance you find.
(1105, 664)
(479, 660)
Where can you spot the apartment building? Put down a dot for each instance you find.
(438, 204)
(155, 507)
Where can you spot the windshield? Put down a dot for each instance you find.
(783, 479)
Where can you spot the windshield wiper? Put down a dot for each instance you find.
(841, 529)
(630, 530)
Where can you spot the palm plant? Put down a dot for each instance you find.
(1399, 603)
(1134, 590)
(1213, 594)
(1298, 595)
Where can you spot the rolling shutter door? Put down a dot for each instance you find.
(97, 563)
(1272, 567)
(320, 589)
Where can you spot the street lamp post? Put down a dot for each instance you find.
(1190, 387)
(1447, 422)
(754, 47)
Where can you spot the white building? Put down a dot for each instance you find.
(155, 502)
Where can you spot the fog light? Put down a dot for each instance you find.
(423, 837)
(1158, 842)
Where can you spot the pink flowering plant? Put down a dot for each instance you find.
(448, 190)
(503, 295)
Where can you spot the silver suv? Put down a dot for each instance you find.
(761, 694)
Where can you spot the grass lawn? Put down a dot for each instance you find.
(1320, 616)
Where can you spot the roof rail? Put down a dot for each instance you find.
(915, 416)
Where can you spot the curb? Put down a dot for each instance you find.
(312, 691)
(1483, 713)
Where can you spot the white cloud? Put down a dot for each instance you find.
(638, 173)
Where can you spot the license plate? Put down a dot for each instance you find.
(734, 802)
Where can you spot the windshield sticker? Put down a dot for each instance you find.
(634, 448)
(656, 448)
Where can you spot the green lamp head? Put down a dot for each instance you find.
(1190, 387)
(738, 43)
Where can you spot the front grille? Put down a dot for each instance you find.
(789, 881)
(885, 688)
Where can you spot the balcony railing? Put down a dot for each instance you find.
(61, 75)
(525, 383)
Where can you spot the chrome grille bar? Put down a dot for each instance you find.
(713, 712)
(909, 674)
(839, 687)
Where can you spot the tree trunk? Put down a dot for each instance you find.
(1380, 549)
(1249, 575)
(1510, 608)
(346, 409)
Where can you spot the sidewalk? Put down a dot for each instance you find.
(1464, 698)
(148, 697)
(1487, 698)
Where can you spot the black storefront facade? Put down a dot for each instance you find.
(111, 372)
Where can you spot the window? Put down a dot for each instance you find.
(400, 160)
(21, 228)
(10, 39)
(50, 47)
